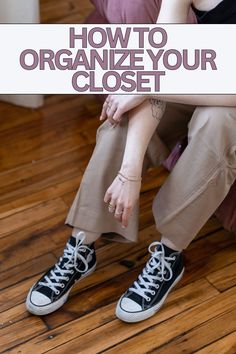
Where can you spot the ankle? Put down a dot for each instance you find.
(167, 242)
(90, 237)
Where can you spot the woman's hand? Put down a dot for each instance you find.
(116, 105)
(122, 196)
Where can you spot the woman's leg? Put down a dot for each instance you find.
(90, 217)
(196, 187)
(88, 211)
(201, 178)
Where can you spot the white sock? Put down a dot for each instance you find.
(167, 242)
(90, 236)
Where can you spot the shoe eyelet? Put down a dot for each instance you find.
(153, 292)
(67, 278)
(157, 286)
(57, 292)
(62, 286)
(71, 272)
(148, 299)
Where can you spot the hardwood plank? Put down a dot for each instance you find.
(29, 153)
(31, 242)
(57, 110)
(69, 197)
(184, 297)
(209, 254)
(23, 330)
(226, 345)
(54, 106)
(194, 340)
(154, 178)
(27, 217)
(13, 315)
(64, 333)
(50, 135)
(26, 270)
(30, 198)
(224, 278)
(15, 294)
(70, 11)
(146, 217)
(160, 334)
(42, 174)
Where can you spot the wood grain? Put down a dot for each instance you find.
(43, 155)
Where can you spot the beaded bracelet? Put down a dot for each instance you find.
(128, 178)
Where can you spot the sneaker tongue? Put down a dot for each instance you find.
(72, 241)
(65, 259)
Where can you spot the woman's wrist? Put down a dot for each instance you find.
(131, 171)
(124, 178)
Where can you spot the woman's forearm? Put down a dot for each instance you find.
(143, 122)
(200, 100)
(176, 11)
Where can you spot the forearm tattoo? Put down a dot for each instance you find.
(158, 108)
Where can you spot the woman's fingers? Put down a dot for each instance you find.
(104, 108)
(111, 109)
(111, 201)
(107, 197)
(121, 198)
(119, 211)
(112, 206)
(126, 216)
(117, 115)
(104, 111)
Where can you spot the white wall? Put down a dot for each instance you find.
(21, 11)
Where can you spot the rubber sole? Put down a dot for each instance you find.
(47, 309)
(132, 317)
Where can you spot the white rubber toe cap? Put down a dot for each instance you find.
(39, 299)
(129, 305)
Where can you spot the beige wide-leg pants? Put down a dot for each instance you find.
(195, 188)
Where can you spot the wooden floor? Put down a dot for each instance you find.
(43, 154)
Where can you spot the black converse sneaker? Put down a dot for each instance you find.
(52, 290)
(148, 293)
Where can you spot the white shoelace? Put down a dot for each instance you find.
(147, 280)
(53, 281)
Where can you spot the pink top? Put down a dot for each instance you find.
(131, 11)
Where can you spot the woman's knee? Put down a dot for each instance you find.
(212, 120)
(216, 128)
